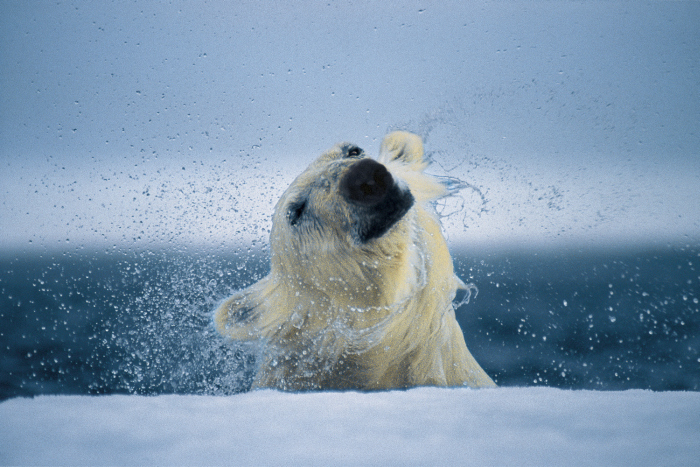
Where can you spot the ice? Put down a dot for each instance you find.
(423, 426)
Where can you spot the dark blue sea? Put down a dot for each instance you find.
(139, 322)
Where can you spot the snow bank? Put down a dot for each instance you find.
(505, 426)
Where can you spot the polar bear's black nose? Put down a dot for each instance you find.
(366, 183)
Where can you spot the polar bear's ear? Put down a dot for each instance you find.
(403, 146)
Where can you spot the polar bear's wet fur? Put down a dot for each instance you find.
(361, 285)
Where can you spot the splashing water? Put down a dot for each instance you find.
(124, 322)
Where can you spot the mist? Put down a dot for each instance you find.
(149, 125)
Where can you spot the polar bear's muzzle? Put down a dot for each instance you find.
(378, 199)
(366, 183)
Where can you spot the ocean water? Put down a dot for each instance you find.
(139, 322)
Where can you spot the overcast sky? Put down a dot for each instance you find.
(147, 124)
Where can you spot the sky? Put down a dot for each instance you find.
(422, 426)
(132, 124)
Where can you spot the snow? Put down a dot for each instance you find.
(424, 426)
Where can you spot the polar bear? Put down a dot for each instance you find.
(360, 291)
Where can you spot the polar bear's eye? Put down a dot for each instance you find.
(354, 151)
(295, 210)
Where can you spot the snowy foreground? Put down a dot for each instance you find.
(505, 426)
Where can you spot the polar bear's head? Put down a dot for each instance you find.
(344, 226)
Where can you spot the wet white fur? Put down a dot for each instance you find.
(337, 314)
